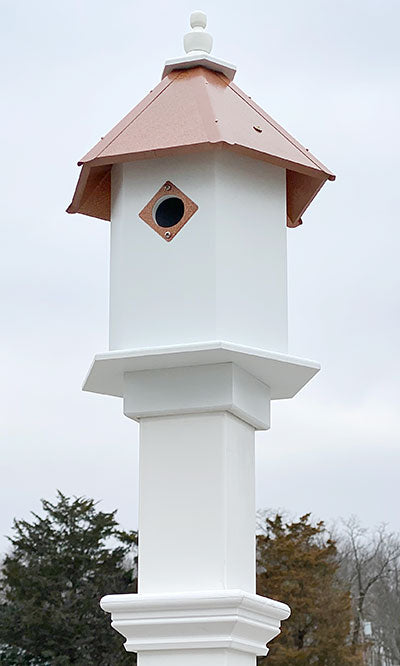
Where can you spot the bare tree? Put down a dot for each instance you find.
(385, 615)
(370, 563)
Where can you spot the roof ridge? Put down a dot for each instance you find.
(279, 129)
(209, 122)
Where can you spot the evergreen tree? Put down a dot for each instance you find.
(298, 564)
(60, 566)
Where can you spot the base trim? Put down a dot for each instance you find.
(229, 619)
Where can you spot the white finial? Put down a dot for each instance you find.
(198, 45)
(198, 41)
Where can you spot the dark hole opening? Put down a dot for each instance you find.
(169, 212)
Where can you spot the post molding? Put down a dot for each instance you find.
(285, 375)
(217, 387)
(224, 619)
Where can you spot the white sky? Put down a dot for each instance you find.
(329, 73)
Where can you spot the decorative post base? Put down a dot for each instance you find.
(219, 627)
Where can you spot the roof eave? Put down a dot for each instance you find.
(205, 146)
(93, 191)
(92, 195)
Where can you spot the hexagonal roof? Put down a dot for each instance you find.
(190, 110)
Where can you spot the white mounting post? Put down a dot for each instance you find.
(196, 604)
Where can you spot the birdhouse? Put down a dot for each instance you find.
(200, 186)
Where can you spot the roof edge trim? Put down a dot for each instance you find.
(314, 172)
(206, 61)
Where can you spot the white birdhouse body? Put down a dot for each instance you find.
(222, 277)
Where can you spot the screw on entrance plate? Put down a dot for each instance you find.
(168, 211)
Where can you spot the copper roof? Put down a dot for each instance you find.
(197, 109)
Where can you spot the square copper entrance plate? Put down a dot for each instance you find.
(179, 203)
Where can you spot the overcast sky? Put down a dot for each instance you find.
(329, 73)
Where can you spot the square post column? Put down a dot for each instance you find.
(196, 603)
(197, 503)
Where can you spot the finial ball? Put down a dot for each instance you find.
(198, 41)
(198, 19)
